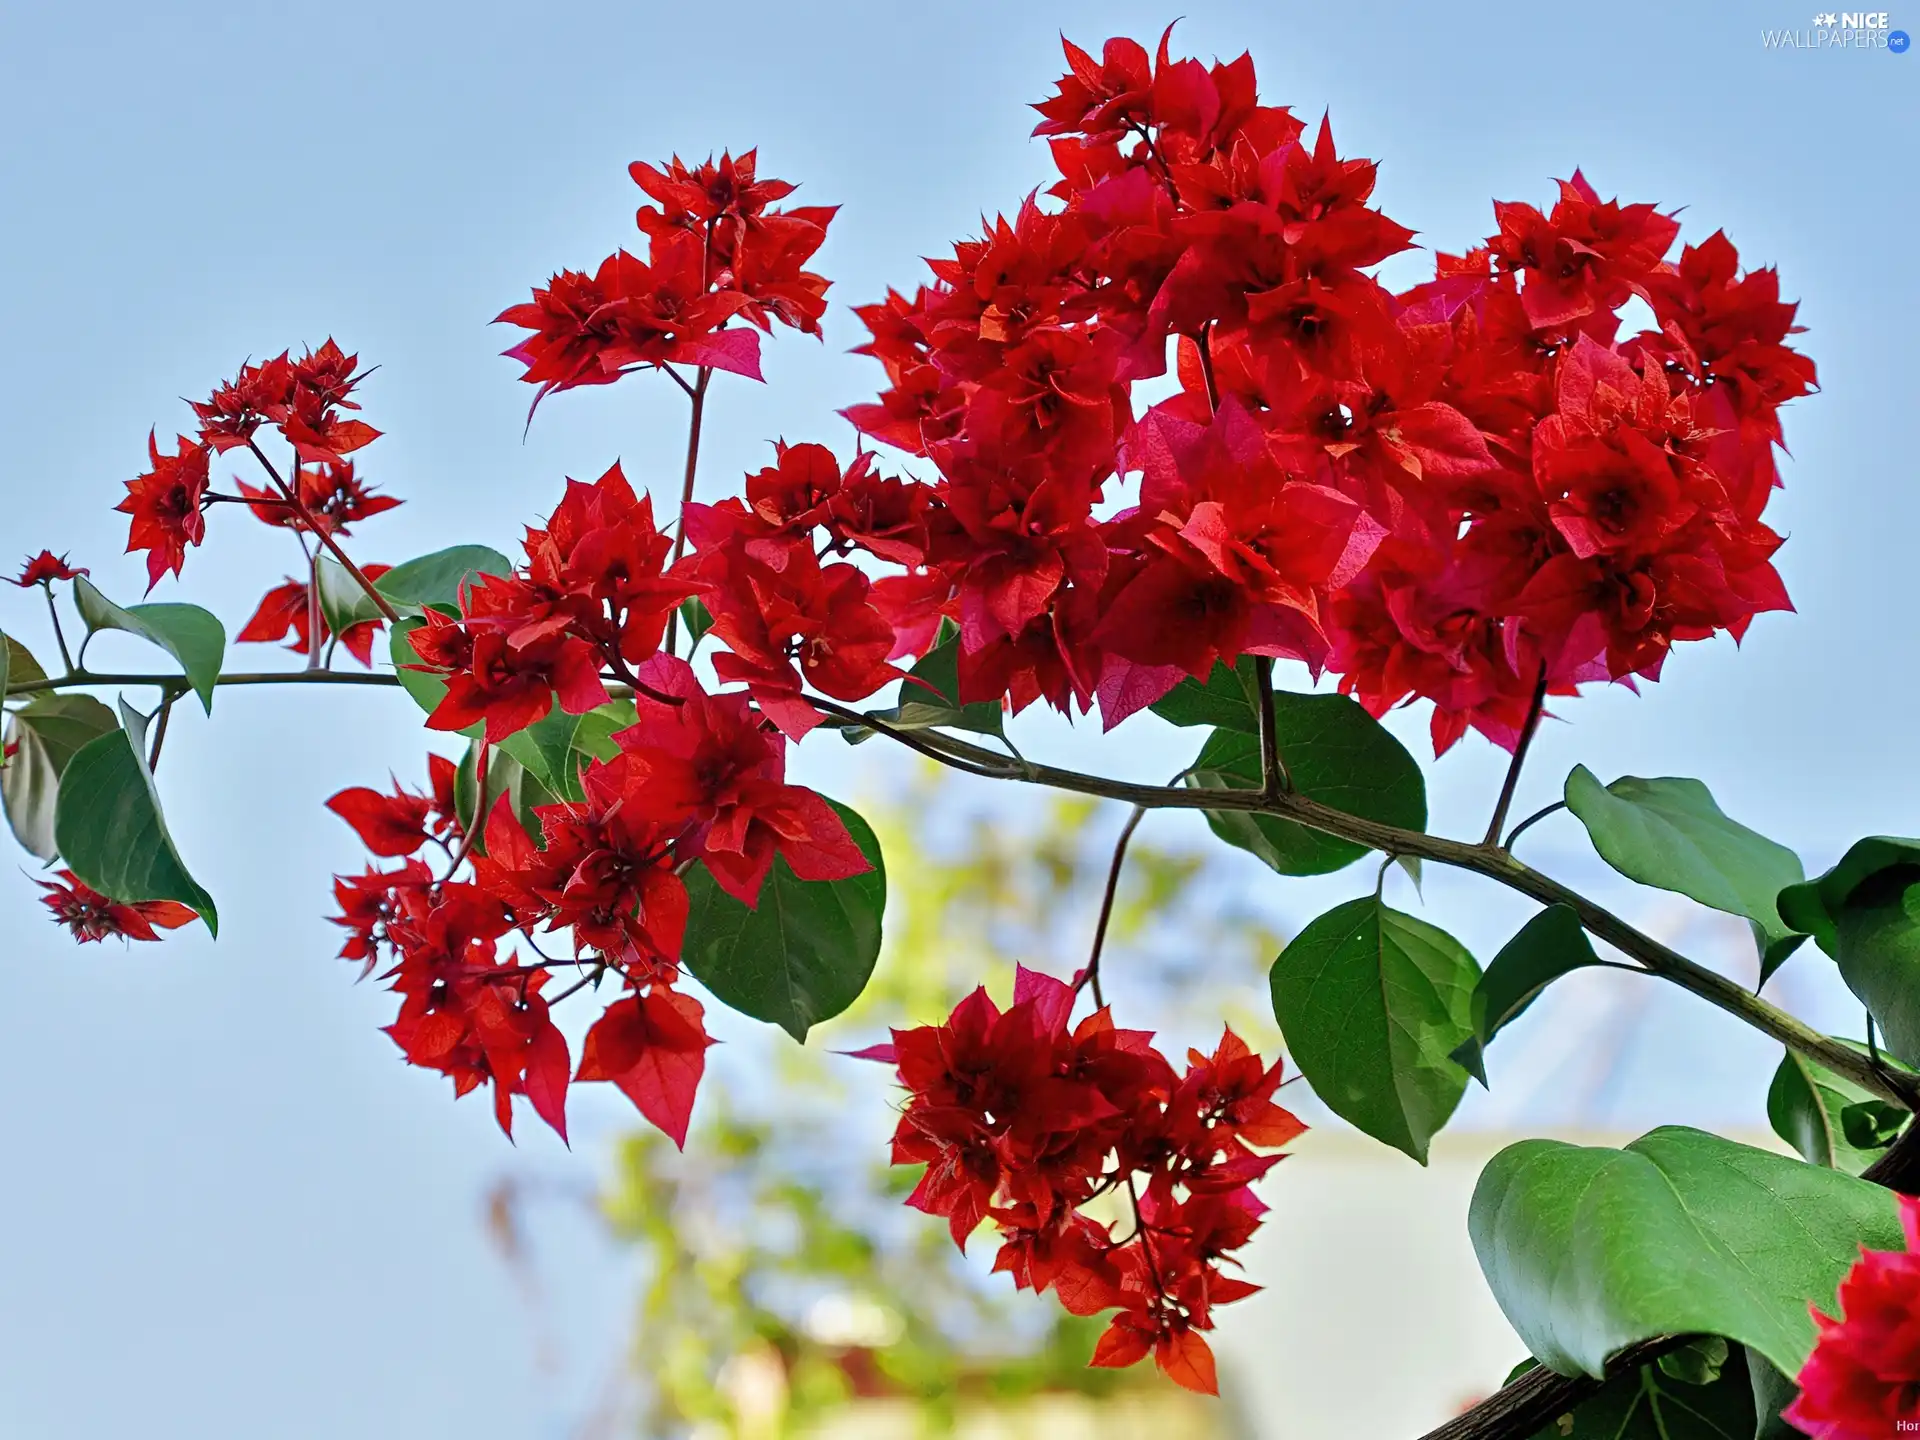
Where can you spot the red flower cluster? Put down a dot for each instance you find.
(287, 608)
(595, 591)
(1863, 1377)
(697, 778)
(716, 251)
(1025, 1121)
(89, 915)
(1462, 492)
(304, 398)
(44, 568)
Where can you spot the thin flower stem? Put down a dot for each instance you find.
(697, 392)
(1204, 342)
(479, 820)
(1091, 975)
(1512, 783)
(1496, 865)
(1532, 820)
(160, 731)
(315, 622)
(380, 602)
(59, 636)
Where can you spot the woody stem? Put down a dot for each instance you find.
(59, 636)
(1274, 778)
(1091, 975)
(380, 602)
(1497, 865)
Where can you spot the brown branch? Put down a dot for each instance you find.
(83, 679)
(1495, 864)
(1505, 803)
(1532, 1402)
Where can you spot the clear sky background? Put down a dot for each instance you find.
(228, 1208)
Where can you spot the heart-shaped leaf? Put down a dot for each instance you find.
(1548, 946)
(803, 953)
(1669, 833)
(1590, 1249)
(109, 829)
(1373, 1003)
(193, 636)
(1336, 754)
(50, 730)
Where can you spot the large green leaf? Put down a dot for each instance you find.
(1373, 1003)
(50, 730)
(1877, 944)
(803, 953)
(1813, 906)
(1651, 1404)
(546, 749)
(1226, 700)
(435, 579)
(193, 636)
(1336, 754)
(1669, 833)
(1548, 946)
(930, 696)
(1589, 1249)
(110, 831)
(593, 740)
(1809, 1104)
(343, 604)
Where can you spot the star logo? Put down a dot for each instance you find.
(1825, 19)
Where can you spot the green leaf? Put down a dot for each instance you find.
(930, 696)
(426, 688)
(1551, 944)
(696, 617)
(546, 749)
(1807, 1105)
(50, 730)
(17, 665)
(1877, 945)
(438, 579)
(1373, 1003)
(1227, 701)
(1772, 1393)
(435, 579)
(1336, 754)
(594, 737)
(1654, 1403)
(803, 953)
(1669, 833)
(110, 832)
(1814, 905)
(1590, 1249)
(505, 776)
(343, 604)
(193, 636)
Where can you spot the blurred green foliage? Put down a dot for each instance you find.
(785, 1277)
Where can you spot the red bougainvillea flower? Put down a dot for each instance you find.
(1863, 1378)
(284, 610)
(332, 493)
(708, 767)
(391, 825)
(44, 568)
(1023, 1118)
(165, 506)
(654, 1048)
(89, 915)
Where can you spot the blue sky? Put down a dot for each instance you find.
(230, 1210)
